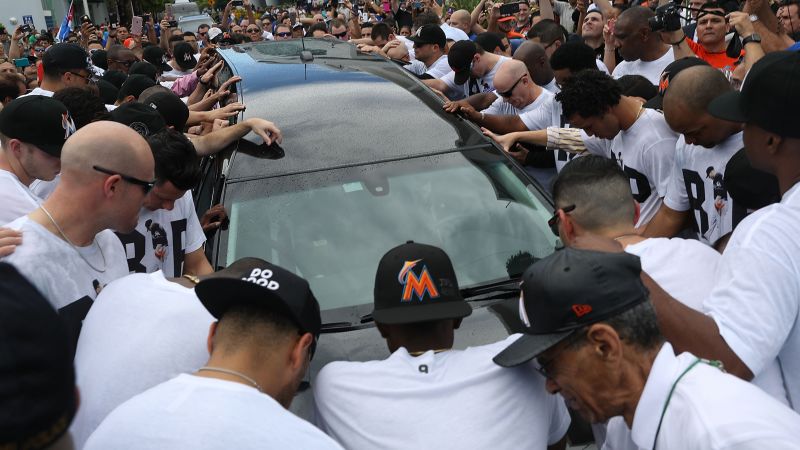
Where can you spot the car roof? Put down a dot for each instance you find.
(337, 108)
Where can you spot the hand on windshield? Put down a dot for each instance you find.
(506, 141)
(224, 87)
(213, 218)
(9, 240)
(226, 111)
(454, 107)
(211, 73)
(266, 129)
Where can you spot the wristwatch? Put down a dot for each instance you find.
(753, 17)
(752, 38)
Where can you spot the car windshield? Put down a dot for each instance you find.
(332, 227)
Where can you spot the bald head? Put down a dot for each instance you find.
(635, 17)
(508, 74)
(534, 57)
(695, 87)
(110, 145)
(461, 15)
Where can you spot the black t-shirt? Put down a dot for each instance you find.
(403, 19)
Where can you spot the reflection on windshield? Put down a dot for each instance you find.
(333, 227)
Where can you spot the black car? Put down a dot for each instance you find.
(369, 160)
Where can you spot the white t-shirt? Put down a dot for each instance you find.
(756, 299)
(60, 272)
(198, 413)
(564, 11)
(452, 399)
(141, 331)
(501, 106)
(549, 114)
(709, 409)
(39, 91)
(439, 68)
(648, 69)
(16, 198)
(646, 152)
(697, 185)
(684, 268)
(552, 86)
(43, 189)
(472, 86)
(163, 238)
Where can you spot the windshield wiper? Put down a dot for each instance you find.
(492, 291)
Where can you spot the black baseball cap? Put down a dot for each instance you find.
(171, 108)
(768, 96)
(141, 118)
(38, 120)
(748, 186)
(135, 85)
(155, 56)
(184, 56)
(37, 379)
(115, 77)
(667, 75)
(568, 290)
(460, 59)
(429, 34)
(143, 68)
(417, 283)
(108, 92)
(262, 284)
(66, 57)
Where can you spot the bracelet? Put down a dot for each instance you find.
(680, 41)
(483, 116)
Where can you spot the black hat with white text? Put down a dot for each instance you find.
(38, 120)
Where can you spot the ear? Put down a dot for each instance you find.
(299, 355)
(774, 144)
(212, 331)
(605, 342)
(15, 145)
(111, 185)
(637, 212)
(567, 226)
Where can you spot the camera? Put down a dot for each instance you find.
(509, 9)
(667, 18)
(27, 28)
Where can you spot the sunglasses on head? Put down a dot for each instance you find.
(553, 221)
(146, 186)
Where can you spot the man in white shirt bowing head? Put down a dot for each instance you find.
(593, 331)
(268, 322)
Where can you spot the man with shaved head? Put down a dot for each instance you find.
(642, 49)
(538, 63)
(462, 20)
(121, 58)
(702, 152)
(69, 251)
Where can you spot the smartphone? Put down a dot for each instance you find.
(26, 28)
(237, 3)
(146, 18)
(173, 23)
(509, 9)
(136, 26)
(22, 62)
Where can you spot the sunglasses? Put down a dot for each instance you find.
(553, 221)
(253, 30)
(146, 186)
(124, 63)
(284, 34)
(88, 78)
(508, 93)
(340, 35)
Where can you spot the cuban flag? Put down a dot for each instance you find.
(66, 24)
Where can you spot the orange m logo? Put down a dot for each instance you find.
(418, 286)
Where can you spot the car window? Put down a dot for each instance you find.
(332, 227)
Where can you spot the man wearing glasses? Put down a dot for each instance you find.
(430, 44)
(69, 251)
(64, 65)
(283, 32)
(32, 131)
(121, 58)
(593, 332)
(340, 30)
(254, 33)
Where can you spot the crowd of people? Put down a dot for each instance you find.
(669, 319)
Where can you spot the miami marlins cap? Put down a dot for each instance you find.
(568, 290)
(37, 120)
(142, 118)
(669, 72)
(460, 59)
(417, 283)
(253, 281)
(155, 55)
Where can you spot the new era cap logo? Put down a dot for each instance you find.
(262, 277)
(68, 125)
(414, 285)
(581, 310)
